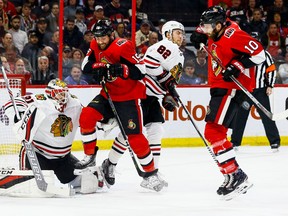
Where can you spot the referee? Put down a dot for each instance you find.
(265, 75)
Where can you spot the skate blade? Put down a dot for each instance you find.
(241, 189)
(156, 188)
(104, 179)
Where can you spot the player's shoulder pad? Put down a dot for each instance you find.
(40, 97)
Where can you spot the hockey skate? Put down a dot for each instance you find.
(224, 184)
(275, 147)
(108, 171)
(153, 182)
(87, 161)
(237, 184)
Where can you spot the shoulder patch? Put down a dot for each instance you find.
(229, 32)
(40, 97)
(121, 42)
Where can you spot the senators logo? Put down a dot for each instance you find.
(176, 71)
(40, 97)
(62, 126)
(131, 124)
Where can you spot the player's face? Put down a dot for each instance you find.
(177, 36)
(103, 42)
(207, 28)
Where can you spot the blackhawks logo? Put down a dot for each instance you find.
(61, 126)
(176, 72)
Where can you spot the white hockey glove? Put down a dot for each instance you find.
(107, 127)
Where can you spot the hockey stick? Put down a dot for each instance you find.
(198, 131)
(274, 117)
(33, 160)
(139, 171)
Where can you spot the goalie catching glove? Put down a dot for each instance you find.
(109, 71)
(234, 68)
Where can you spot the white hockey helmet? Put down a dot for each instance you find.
(170, 26)
(57, 91)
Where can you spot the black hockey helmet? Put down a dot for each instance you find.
(103, 28)
(213, 15)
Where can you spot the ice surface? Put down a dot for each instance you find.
(193, 179)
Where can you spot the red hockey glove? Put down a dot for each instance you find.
(169, 103)
(234, 68)
(198, 37)
(118, 70)
(99, 71)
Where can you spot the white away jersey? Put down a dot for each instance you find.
(162, 56)
(55, 134)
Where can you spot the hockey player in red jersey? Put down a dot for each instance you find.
(164, 62)
(116, 62)
(239, 53)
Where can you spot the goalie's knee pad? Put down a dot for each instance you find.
(89, 117)
(155, 132)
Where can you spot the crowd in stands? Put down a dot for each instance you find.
(29, 32)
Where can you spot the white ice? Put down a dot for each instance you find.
(193, 179)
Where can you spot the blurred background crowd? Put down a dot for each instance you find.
(29, 31)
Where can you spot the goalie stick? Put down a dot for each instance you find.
(270, 115)
(32, 157)
(139, 171)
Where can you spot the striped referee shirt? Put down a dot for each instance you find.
(265, 73)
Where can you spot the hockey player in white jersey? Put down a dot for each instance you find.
(51, 131)
(164, 62)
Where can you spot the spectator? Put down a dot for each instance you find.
(238, 14)
(274, 43)
(9, 8)
(7, 40)
(188, 76)
(20, 69)
(27, 23)
(283, 70)
(19, 37)
(4, 16)
(97, 15)
(6, 65)
(71, 35)
(116, 12)
(70, 8)
(201, 65)
(89, 8)
(2, 29)
(250, 9)
(279, 7)
(77, 56)
(140, 13)
(53, 58)
(257, 27)
(43, 34)
(143, 33)
(188, 54)
(36, 9)
(120, 30)
(54, 43)
(159, 28)
(52, 18)
(85, 45)
(32, 49)
(75, 77)
(152, 39)
(12, 54)
(43, 73)
(281, 24)
(66, 61)
(80, 20)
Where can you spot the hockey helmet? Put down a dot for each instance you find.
(213, 15)
(170, 26)
(103, 28)
(57, 91)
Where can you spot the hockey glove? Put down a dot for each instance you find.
(234, 68)
(99, 71)
(169, 103)
(197, 37)
(118, 70)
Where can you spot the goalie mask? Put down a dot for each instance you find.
(57, 91)
(169, 27)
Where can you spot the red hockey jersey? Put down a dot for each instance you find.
(235, 44)
(119, 51)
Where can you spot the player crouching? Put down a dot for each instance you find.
(48, 123)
